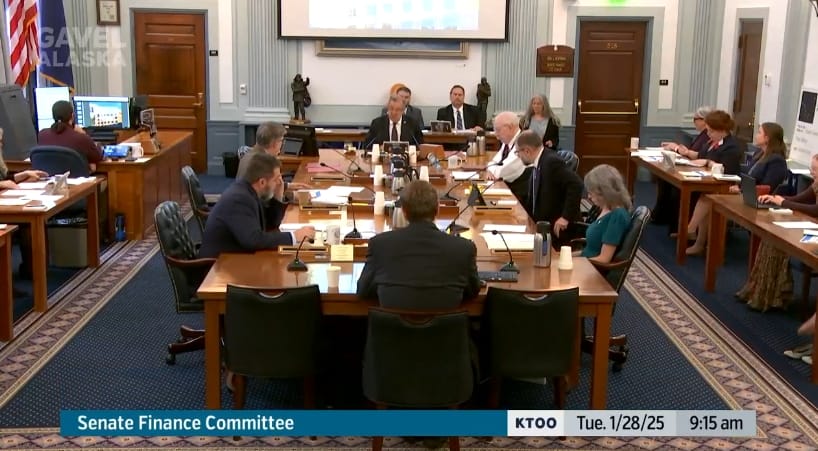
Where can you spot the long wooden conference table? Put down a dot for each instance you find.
(268, 269)
(352, 135)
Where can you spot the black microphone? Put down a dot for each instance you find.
(455, 229)
(510, 266)
(448, 195)
(297, 264)
(354, 233)
(324, 165)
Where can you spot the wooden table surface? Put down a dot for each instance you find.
(268, 269)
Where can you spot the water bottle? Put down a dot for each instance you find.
(481, 145)
(119, 227)
(542, 245)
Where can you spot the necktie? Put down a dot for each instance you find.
(533, 189)
(394, 131)
(506, 150)
(459, 120)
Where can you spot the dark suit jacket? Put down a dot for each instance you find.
(770, 172)
(472, 116)
(559, 190)
(552, 133)
(419, 268)
(237, 223)
(410, 111)
(379, 131)
(729, 154)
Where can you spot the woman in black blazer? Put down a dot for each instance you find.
(724, 149)
(541, 119)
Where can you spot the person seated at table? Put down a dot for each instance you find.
(541, 120)
(269, 139)
(505, 164)
(606, 189)
(666, 210)
(406, 95)
(237, 221)
(769, 284)
(724, 149)
(9, 180)
(64, 132)
(462, 115)
(444, 267)
(395, 126)
(555, 191)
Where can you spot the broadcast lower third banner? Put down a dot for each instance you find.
(542, 423)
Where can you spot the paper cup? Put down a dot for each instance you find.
(333, 276)
(380, 202)
(634, 143)
(424, 173)
(377, 174)
(453, 161)
(566, 259)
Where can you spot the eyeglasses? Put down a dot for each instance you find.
(698, 118)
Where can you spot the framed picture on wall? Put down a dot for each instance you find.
(424, 48)
(108, 12)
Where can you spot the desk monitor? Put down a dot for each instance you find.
(395, 147)
(45, 100)
(442, 126)
(306, 133)
(19, 135)
(291, 146)
(98, 112)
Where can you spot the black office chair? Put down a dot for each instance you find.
(186, 272)
(616, 273)
(530, 335)
(417, 360)
(198, 201)
(255, 320)
(58, 160)
(570, 158)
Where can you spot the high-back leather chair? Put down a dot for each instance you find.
(530, 334)
(570, 158)
(58, 160)
(257, 318)
(417, 360)
(198, 202)
(186, 272)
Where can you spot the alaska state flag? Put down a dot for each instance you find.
(55, 51)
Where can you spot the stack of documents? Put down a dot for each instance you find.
(80, 180)
(516, 241)
(810, 236)
(796, 224)
(505, 228)
(497, 192)
(464, 175)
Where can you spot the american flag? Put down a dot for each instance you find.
(23, 38)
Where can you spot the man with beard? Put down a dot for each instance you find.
(237, 221)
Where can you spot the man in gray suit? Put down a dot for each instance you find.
(419, 267)
(406, 95)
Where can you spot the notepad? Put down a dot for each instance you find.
(21, 192)
(796, 224)
(12, 201)
(497, 192)
(79, 180)
(516, 241)
(514, 228)
(342, 191)
(647, 153)
(727, 178)
(32, 185)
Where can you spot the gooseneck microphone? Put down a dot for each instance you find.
(455, 229)
(324, 165)
(510, 266)
(297, 264)
(448, 194)
(354, 233)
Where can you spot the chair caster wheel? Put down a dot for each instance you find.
(170, 359)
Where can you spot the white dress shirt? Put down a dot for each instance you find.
(512, 167)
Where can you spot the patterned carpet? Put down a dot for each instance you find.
(738, 377)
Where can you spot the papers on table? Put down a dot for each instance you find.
(21, 192)
(685, 162)
(79, 180)
(516, 241)
(654, 149)
(344, 191)
(796, 224)
(506, 203)
(3, 226)
(693, 174)
(647, 153)
(727, 178)
(810, 236)
(505, 228)
(497, 192)
(12, 201)
(464, 175)
(780, 211)
(32, 185)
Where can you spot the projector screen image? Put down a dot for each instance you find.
(417, 19)
(102, 112)
(46, 98)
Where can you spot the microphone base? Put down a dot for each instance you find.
(449, 197)
(353, 234)
(510, 267)
(456, 229)
(297, 265)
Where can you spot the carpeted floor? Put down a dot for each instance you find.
(103, 347)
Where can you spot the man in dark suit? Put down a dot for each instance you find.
(462, 115)
(395, 126)
(419, 267)
(555, 190)
(406, 95)
(237, 221)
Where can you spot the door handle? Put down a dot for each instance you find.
(619, 113)
(200, 98)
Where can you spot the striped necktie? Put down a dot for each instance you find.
(458, 120)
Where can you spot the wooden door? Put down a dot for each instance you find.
(171, 70)
(609, 91)
(749, 59)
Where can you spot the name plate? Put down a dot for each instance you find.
(342, 252)
(555, 61)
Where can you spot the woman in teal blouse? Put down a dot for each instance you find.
(606, 189)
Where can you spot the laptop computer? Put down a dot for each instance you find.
(442, 126)
(750, 195)
(291, 146)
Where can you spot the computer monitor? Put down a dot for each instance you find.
(46, 98)
(97, 112)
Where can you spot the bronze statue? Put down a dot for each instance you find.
(483, 94)
(301, 97)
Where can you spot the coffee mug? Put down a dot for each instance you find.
(333, 234)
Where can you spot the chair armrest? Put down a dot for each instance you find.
(203, 213)
(190, 264)
(608, 266)
(578, 244)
